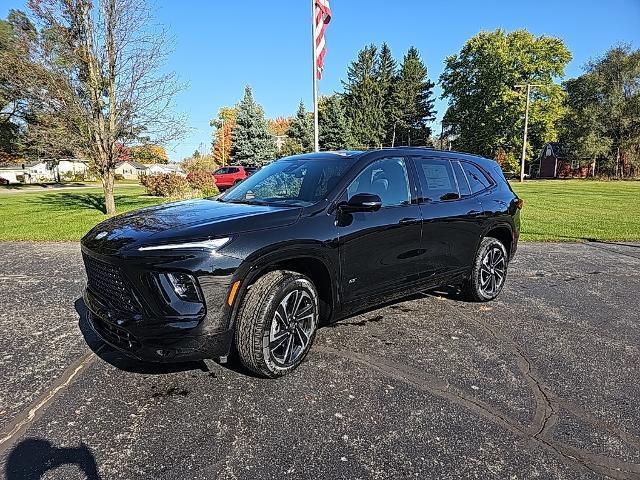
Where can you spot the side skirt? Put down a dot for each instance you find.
(378, 300)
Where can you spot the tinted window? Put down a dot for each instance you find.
(222, 170)
(233, 170)
(478, 181)
(437, 179)
(463, 186)
(386, 178)
(292, 181)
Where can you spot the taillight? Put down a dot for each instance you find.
(519, 203)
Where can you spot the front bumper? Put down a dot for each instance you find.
(164, 346)
(154, 330)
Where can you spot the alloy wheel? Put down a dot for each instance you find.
(291, 328)
(492, 271)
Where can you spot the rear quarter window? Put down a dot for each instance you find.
(478, 181)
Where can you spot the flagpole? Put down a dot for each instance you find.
(314, 73)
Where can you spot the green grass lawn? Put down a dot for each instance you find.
(575, 210)
(62, 215)
(554, 210)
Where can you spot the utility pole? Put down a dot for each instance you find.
(526, 124)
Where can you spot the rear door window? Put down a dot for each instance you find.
(478, 181)
(437, 179)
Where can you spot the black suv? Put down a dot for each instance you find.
(306, 240)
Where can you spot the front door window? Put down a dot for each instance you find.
(386, 178)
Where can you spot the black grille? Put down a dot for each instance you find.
(114, 334)
(106, 282)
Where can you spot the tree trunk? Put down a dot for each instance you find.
(107, 186)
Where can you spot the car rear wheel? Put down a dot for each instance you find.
(489, 271)
(277, 323)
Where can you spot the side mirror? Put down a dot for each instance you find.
(362, 202)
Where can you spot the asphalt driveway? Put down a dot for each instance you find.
(542, 383)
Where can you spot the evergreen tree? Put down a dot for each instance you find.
(363, 102)
(334, 129)
(413, 97)
(387, 79)
(301, 129)
(252, 142)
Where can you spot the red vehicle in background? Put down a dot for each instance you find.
(227, 177)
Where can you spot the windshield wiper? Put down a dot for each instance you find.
(247, 202)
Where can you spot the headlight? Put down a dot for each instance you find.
(211, 245)
(184, 285)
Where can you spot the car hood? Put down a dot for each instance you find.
(184, 221)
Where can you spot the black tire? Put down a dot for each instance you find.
(260, 324)
(477, 288)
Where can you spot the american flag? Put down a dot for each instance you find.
(322, 17)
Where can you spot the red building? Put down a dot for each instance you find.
(552, 163)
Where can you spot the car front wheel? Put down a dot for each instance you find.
(277, 323)
(489, 271)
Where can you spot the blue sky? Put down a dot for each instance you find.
(222, 45)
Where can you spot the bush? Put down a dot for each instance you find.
(203, 182)
(118, 177)
(73, 177)
(165, 185)
(508, 161)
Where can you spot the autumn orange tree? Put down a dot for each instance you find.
(149, 153)
(222, 140)
(279, 126)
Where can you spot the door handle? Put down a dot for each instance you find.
(406, 221)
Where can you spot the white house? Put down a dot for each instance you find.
(72, 166)
(11, 173)
(131, 170)
(43, 171)
(157, 168)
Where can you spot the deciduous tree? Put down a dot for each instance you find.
(17, 37)
(149, 153)
(199, 163)
(603, 123)
(222, 139)
(99, 63)
(486, 110)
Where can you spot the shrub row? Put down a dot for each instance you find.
(172, 185)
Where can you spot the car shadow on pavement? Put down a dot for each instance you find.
(32, 458)
(122, 361)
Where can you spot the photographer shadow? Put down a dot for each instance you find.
(32, 458)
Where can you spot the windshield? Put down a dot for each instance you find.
(290, 181)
